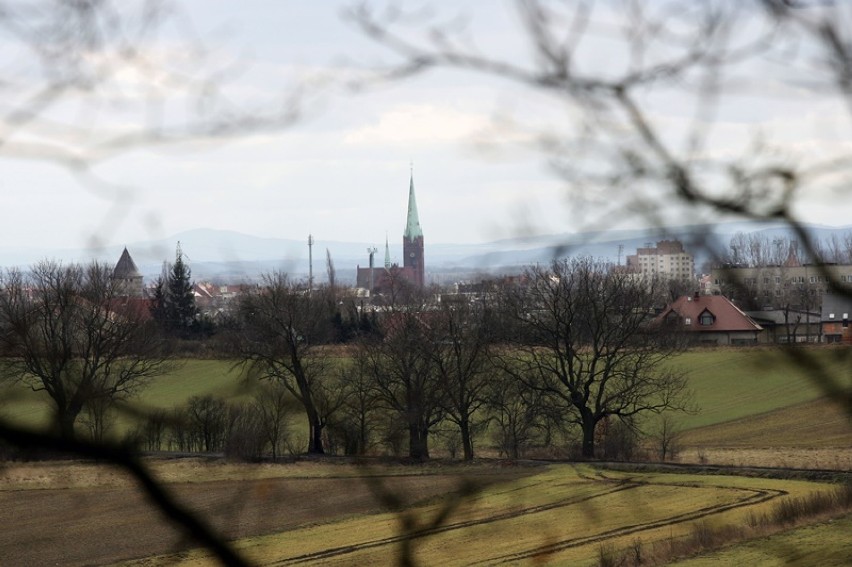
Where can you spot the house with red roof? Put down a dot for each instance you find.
(713, 319)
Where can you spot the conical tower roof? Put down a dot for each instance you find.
(387, 253)
(126, 267)
(412, 225)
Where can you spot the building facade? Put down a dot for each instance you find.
(791, 284)
(836, 311)
(667, 259)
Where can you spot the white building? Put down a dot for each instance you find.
(667, 259)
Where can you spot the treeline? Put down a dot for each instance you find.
(756, 250)
(248, 430)
(566, 356)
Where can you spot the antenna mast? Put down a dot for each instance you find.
(372, 252)
(310, 263)
(620, 251)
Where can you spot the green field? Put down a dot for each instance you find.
(729, 384)
(737, 382)
(189, 378)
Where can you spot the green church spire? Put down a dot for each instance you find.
(412, 226)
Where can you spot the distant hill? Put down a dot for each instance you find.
(233, 256)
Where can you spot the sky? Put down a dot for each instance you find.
(341, 170)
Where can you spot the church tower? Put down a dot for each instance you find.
(412, 240)
(127, 275)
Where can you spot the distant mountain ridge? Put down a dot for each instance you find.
(229, 255)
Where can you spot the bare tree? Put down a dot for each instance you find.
(273, 403)
(207, 421)
(98, 418)
(459, 341)
(667, 437)
(404, 375)
(358, 418)
(68, 331)
(517, 411)
(588, 342)
(284, 335)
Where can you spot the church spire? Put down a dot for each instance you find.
(387, 253)
(412, 226)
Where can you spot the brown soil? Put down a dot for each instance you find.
(111, 523)
(839, 459)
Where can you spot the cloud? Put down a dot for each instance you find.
(423, 123)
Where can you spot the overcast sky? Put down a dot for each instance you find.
(341, 172)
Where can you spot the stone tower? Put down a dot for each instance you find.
(128, 276)
(412, 240)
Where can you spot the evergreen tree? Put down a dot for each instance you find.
(180, 310)
(158, 300)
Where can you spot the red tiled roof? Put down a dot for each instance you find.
(726, 315)
(137, 308)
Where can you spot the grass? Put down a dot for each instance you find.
(189, 378)
(733, 383)
(193, 378)
(560, 515)
(826, 544)
(817, 423)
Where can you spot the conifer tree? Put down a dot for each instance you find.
(179, 303)
(158, 298)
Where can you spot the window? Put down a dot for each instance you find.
(687, 321)
(706, 318)
(777, 279)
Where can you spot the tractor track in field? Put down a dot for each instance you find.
(343, 550)
(755, 496)
(543, 551)
(77, 525)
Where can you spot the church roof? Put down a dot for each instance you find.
(412, 225)
(125, 268)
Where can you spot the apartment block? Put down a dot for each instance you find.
(667, 259)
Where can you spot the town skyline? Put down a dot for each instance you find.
(232, 256)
